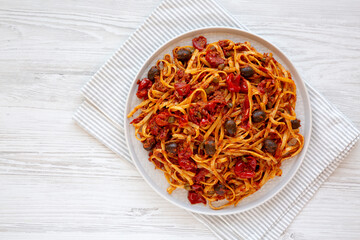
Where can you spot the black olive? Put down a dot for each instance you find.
(258, 116)
(247, 72)
(171, 148)
(154, 71)
(149, 144)
(183, 54)
(295, 124)
(210, 147)
(230, 127)
(270, 145)
(220, 189)
(148, 147)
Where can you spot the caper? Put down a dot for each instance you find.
(269, 105)
(209, 89)
(198, 114)
(221, 66)
(228, 54)
(216, 80)
(171, 119)
(229, 105)
(187, 187)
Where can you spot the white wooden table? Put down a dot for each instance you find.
(57, 182)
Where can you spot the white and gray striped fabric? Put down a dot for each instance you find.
(102, 113)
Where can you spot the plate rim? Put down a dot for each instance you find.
(307, 135)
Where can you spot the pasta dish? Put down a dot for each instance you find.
(218, 119)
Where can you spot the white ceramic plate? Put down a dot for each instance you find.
(156, 179)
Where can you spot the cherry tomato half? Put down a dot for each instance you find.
(144, 86)
(195, 198)
(199, 43)
(237, 84)
(214, 59)
(246, 169)
(182, 88)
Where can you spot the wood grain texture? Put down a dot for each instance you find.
(56, 182)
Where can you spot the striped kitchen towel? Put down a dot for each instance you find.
(102, 115)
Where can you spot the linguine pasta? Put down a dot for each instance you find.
(218, 119)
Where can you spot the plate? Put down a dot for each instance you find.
(155, 178)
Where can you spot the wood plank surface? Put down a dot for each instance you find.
(57, 182)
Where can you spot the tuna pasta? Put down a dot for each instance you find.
(218, 119)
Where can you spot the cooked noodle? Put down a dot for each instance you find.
(218, 120)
